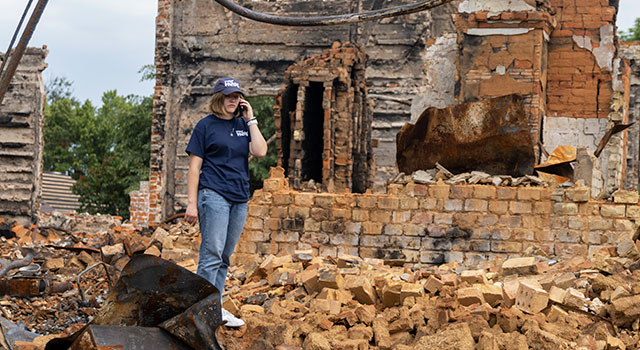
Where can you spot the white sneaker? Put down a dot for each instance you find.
(230, 320)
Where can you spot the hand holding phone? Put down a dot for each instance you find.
(244, 110)
(239, 111)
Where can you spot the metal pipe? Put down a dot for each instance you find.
(106, 271)
(16, 264)
(15, 35)
(332, 20)
(5, 79)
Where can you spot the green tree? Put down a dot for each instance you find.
(633, 34)
(58, 88)
(147, 72)
(105, 149)
(117, 147)
(259, 167)
(104, 189)
(66, 123)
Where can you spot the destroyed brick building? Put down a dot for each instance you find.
(21, 139)
(561, 57)
(338, 251)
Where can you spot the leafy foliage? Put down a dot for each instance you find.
(66, 123)
(147, 72)
(633, 34)
(259, 167)
(105, 149)
(104, 189)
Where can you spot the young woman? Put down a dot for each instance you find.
(218, 179)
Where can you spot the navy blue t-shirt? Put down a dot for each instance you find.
(223, 146)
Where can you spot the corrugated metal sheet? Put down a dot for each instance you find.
(56, 192)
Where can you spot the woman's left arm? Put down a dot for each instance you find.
(258, 145)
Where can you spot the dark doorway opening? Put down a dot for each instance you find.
(289, 101)
(313, 130)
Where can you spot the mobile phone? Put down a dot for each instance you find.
(239, 111)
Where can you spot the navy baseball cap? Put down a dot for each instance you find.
(227, 86)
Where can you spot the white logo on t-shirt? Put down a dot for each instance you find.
(242, 133)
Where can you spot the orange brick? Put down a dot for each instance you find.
(522, 64)
(484, 192)
(388, 203)
(531, 298)
(366, 201)
(529, 193)
(22, 345)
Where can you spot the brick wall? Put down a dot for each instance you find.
(426, 224)
(158, 168)
(505, 53)
(413, 57)
(581, 54)
(586, 80)
(139, 205)
(198, 42)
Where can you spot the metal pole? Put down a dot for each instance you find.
(5, 79)
(15, 35)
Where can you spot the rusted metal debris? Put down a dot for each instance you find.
(557, 168)
(97, 337)
(607, 136)
(490, 135)
(150, 291)
(18, 263)
(197, 325)
(153, 292)
(106, 271)
(22, 287)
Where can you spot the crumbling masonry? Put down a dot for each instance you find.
(21, 139)
(560, 56)
(631, 52)
(323, 122)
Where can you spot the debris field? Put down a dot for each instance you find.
(302, 301)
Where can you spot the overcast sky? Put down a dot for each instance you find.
(101, 44)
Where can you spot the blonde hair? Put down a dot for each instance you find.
(216, 104)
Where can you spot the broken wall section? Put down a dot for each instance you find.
(323, 122)
(415, 224)
(631, 53)
(139, 205)
(503, 51)
(586, 87)
(21, 139)
(199, 42)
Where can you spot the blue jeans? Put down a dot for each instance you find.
(221, 224)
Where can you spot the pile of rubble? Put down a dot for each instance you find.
(305, 302)
(443, 175)
(56, 275)
(308, 302)
(432, 176)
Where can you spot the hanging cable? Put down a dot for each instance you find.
(15, 35)
(332, 20)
